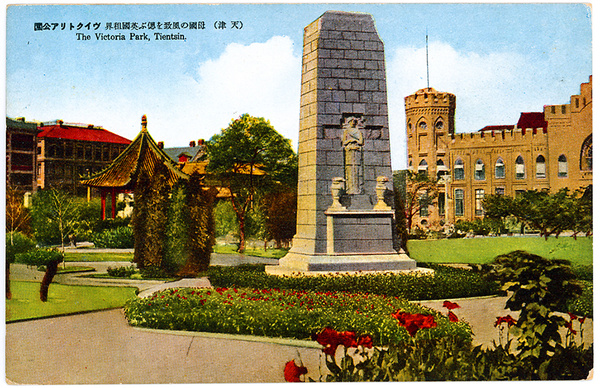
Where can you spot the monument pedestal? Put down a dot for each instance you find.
(357, 241)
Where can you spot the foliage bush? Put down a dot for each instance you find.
(446, 282)
(120, 237)
(153, 272)
(584, 304)
(39, 257)
(281, 313)
(121, 272)
(17, 242)
(538, 288)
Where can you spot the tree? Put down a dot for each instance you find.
(177, 228)
(415, 190)
(280, 214)
(17, 216)
(139, 219)
(247, 157)
(55, 216)
(49, 258)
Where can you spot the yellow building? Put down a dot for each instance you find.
(544, 150)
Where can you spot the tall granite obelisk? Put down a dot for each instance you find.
(345, 219)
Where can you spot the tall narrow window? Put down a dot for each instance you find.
(423, 167)
(479, 194)
(410, 166)
(459, 170)
(459, 202)
(500, 173)
(519, 168)
(423, 206)
(562, 166)
(540, 167)
(442, 204)
(479, 170)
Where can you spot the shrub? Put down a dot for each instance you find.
(281, 313)
(17, 242)
(583, 305)
(154, 272)
(121, 272)
(121, 237)
(447, 282)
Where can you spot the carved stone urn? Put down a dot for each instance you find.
(380, 190)
(337, 189)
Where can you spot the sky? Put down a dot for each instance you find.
(498, 59)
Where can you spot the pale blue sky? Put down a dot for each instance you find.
(499, 60)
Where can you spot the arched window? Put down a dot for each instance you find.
(423, 167)
(562, 166)
(500, 172)
(540, 167)
(585, 159)
(519, 168)
(423, 125)
(459, 170)
(441, 168)
(479, 195)
(479, 170)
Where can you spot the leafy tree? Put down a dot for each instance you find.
(49, 258)
(225, 219)
(415, 190)
(17, 216)
(177, 228)
(280, 214)
(158, 205)
(246, 157)
(16, 243)
(55, 215)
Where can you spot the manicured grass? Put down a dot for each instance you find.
(62, 299)
(259, 252)
(483, 250)
(75, 256)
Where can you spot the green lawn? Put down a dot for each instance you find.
(75, 256)
(260, 252)
(483, 250)
(62, 299)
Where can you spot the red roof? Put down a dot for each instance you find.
(72, 132)
(532, 120)
(500, 128)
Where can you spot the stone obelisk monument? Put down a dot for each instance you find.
(345, 219)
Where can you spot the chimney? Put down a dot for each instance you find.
(192, 143)
(91, 126)
(59, 122)
(161, 145)
(21, 119)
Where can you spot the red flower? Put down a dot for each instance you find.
(508, 319)
(569, 325)
(450, 305)
(331, 339)
(414, 322)
(366, 341)
(572, 316)
(292, 372)
(452, 317)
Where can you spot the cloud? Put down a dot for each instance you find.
(261, 79)
(490, 88)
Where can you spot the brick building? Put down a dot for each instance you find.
(21, 155)
(543, 150)
(68, 152)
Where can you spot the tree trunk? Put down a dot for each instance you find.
(51, 269)
(8, 293)
(242, 247)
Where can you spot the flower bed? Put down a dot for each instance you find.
(281, 313)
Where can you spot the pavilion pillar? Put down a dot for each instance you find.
(113, 207)
(103, 203)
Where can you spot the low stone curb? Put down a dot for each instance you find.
(237, 337)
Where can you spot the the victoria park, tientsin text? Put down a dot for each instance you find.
(135, 31)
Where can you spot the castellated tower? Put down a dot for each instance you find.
(429, 121)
